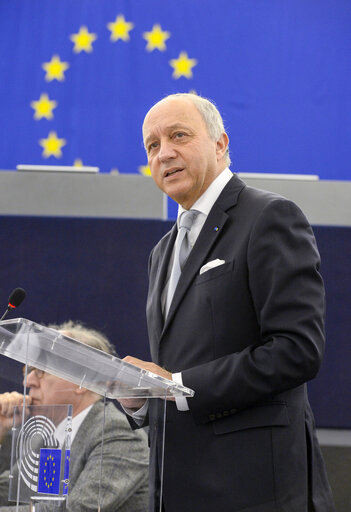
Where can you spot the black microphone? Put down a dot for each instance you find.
(16, 298)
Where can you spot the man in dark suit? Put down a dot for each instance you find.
(244, 328)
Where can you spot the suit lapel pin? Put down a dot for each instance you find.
(216, 228)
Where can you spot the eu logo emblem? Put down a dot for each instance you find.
(49, 471)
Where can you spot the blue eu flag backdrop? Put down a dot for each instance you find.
(76, 78)
(49, 471)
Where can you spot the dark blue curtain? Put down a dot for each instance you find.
(95, 271)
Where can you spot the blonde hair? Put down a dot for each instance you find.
(86, 335)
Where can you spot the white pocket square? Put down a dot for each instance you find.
(211, 264)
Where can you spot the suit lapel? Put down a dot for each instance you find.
(208, 236)
(165, 251)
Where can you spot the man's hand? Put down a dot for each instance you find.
(151, 367)
(136, 403)
(7, 402)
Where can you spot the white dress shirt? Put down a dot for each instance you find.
(203, 205)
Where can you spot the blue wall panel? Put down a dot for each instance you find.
(95, 271)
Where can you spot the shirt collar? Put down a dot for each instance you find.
(211, 194)
(60, 432)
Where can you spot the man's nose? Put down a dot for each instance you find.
(166, 151)
(31, 379)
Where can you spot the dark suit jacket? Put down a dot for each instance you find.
(246, 336)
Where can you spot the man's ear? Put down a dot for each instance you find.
(221, 145)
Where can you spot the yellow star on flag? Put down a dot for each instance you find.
(144, 170)
(83, 40)
(55, 69)
(120, 28)
(43, 107)
(183, 66)
(52, 145)
(78, 162)
(156, 38)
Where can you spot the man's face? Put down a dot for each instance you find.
(49, 390)
(183, 159)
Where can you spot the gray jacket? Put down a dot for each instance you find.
(124, 471)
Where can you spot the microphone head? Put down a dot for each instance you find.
(17, 297)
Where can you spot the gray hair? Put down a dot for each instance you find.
(210, 114)
(86, 335)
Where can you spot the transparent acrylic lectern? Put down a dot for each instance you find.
(41, 434)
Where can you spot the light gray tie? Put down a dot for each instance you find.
(182, 250)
